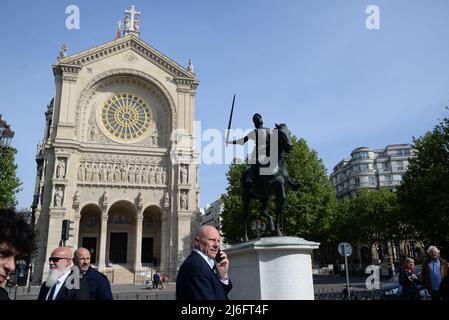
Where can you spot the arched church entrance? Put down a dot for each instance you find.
(89, 230)
(151, 236)
(121, 243)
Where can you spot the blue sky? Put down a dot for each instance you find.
(309, 63)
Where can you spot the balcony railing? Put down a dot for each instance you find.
(389, 183)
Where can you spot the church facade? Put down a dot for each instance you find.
(118, 159)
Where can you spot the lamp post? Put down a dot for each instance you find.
(6, 134)
(258, 227)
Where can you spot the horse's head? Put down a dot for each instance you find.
(285, 142)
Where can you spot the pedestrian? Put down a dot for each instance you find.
(408, 279)
(434, 270)
(204, 274)
(164, 281)
(156, 280)
(17, 240)
(99, 286)
(62, 282)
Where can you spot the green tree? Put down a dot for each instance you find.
(370, 219)
(310, 211)
(424, 193)
(9, 182)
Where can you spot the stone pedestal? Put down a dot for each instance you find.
(274, 268)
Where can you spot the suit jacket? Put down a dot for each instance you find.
(4, 294)
(197, 281)
(99, 287)
(444, 266)
(67, 294)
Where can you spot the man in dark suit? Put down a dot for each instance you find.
(204, 274)
(99, 287)
(63, 283)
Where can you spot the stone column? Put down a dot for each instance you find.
(184, 232)
(103, 238)
(164, 242)
(138, 243)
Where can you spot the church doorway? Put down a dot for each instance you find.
(147, 250)
(90, 243)
(89, 230)
(118, 247)
(121, 243)
(151, 236)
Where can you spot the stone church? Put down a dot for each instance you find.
(118, 159)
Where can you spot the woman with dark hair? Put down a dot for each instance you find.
(409, 280)
(17, 240)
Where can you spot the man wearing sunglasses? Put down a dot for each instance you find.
(62, 282)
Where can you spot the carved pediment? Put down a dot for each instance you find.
(129, 42)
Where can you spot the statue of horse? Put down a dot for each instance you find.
(262, 187)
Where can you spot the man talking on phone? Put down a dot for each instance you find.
(204, 274)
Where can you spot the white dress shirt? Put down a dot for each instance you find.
(211, 263)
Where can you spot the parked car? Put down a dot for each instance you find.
(392, 290)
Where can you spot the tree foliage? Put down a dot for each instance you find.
(9, 182)
(424, 193)
(310, 210)
(371, 218)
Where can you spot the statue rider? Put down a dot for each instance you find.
(260, 156)
(261, 153)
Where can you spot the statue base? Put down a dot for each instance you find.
(272, 268)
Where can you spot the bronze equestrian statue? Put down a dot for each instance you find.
(267, 174)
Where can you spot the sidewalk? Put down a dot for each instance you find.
(119, 292)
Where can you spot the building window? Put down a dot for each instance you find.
(356, 181)
(363, 167)
(372, 180)
(361, 155)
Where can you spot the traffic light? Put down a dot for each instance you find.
(65, 229)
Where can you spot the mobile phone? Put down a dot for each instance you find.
(218, 257)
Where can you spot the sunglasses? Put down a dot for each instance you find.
(55, 259)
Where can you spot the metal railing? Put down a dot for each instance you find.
(145, 296)
(355, 295)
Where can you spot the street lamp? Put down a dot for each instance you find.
(6, 134)
(258, 228)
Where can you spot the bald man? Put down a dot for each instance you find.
(99, 287)
(204, 274)
(62, 282)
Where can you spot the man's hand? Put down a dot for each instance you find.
(223, 265)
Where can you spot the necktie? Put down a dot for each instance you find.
(52, 292)
(216, 272)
